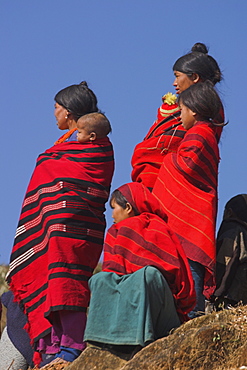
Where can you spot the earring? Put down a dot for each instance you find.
(66, 117)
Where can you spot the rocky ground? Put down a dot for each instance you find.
(215, 341)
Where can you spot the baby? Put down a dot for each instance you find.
(92, 126)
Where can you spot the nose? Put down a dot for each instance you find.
(175, 82)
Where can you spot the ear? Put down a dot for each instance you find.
(129, 210)
(195, 78)
(93, 136)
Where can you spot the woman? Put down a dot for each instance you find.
(60, 233)
(71, 103)
(145, 288)
(166, 133)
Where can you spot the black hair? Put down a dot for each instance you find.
(99, 123)
(198, 61)
(119, 198)
(77, 99)
(202, 99)
(238, 204)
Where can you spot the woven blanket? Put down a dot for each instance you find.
(187, 189)
(163, 137)
(146, 239)
(60, 233)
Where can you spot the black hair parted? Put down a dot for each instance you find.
(202, 99)
(77, 99)
(198, 61)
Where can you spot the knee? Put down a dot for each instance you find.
(152, 274)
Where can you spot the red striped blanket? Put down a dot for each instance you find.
(161, 139)
(187, 188)
(146, 239)
(60, 233)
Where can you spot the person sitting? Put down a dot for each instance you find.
(231, 257)
(145, 287)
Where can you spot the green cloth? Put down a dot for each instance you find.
(133, 309)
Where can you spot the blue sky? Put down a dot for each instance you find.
(125, 51)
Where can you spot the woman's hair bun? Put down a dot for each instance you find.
(199, 47)
(84, 83)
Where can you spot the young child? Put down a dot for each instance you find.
(59, 238)
(92, 126)
(231, 258)
(187, 185)
(145, 288)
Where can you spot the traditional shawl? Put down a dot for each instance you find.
(146, 239)
(60, 233)
(187, 189)
(161, 139)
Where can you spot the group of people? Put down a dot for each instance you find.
(159, 254)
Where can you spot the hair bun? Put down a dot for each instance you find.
(84, 83)
(199, 47)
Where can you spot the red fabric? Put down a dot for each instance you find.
(60, 233)
(145, 240)
(37, 358)
(187, 189)
(160, 140)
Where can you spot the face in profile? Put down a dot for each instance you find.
(84, 133)
(119, 213)
(61, 113)
(187, 116)
(182, 81)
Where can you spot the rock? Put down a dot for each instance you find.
(96, 359)
(214, 341)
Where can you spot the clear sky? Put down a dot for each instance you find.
(125, 51)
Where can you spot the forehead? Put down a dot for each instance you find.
(82, 123)
(180, 74)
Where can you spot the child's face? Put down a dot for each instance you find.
(118, 212)
(83, 134)
(187, 116)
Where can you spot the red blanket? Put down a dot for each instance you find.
(146, 239)
(61, 229)
(187, 188)
(161, 139)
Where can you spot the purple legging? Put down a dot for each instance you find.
(67, 330)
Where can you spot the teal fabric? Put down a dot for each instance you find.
(133, 309)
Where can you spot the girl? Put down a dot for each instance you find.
(187, 185)
(146, 287)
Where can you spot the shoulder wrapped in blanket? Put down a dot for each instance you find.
(61, 229)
